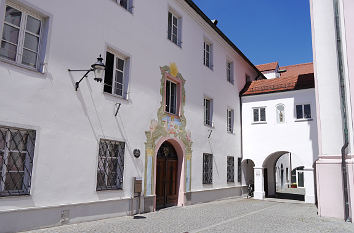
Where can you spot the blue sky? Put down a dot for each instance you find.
(265, 30)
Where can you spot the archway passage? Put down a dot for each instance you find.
(278, 179)
(166, 176)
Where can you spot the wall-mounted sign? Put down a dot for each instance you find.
(136, 153)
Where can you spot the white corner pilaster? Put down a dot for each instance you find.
(258, 184)
(309, 182)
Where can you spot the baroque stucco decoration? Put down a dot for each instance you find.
(168, 126)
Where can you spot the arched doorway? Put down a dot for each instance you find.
(166, 176)
(277, 177)
(248, 172)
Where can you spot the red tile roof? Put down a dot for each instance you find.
(296, 77)
(267, 67)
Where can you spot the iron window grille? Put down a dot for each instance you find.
(230, 120)
(110, 165)
(239, 169)
(16, 160)
(230, 169)
(207, 168)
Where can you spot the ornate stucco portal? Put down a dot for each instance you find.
(170, 128)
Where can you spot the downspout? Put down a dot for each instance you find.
(344, 111)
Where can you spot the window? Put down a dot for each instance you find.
(239, 170)
(16, 160)
(208, 112)
(259, 114)
(171, 97)
(116, 75)
(230, 169)
(174, 28)
(21, 37)
(207, 168)
(110, 165)
(230, 72)
(208, 55)
(230, 120)
(126, 4)
(303, 111)
(280, 113)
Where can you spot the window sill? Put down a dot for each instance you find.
(259, 123)
(231, 133)
(178, 45)
(210, 68)
(116, 96)
(209, 126)
(9, 62)
(302, 120)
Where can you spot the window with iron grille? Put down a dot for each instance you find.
(110, 165)
(230, 169)
(22, 36)
(239, 169)
(207, 168)
(230, 120)
(16, 160)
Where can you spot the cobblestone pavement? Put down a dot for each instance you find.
(232, 215)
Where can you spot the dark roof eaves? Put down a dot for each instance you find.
(207, 20)
(271, 92)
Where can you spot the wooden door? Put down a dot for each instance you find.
(160, 181)
(166, 176)
(171, 183)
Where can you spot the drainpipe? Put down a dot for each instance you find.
(344, 112)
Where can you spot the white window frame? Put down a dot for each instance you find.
(170, 97)
(208, 54)
(230, 72)
(303, 118)
(178, 27)
(208, 112)
(21, 37)
(125, 71)
(230, 120)
(260, 121)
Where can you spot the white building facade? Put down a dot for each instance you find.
(168, 106)
(279, 129)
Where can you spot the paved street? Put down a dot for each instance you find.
(232, 215)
